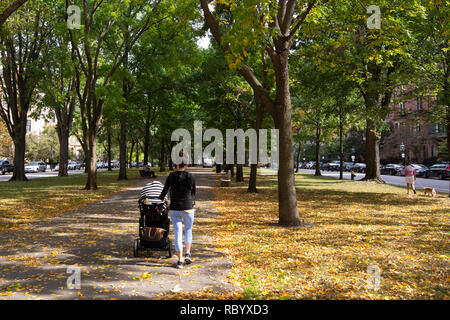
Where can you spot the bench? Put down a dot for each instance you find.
(147, 174)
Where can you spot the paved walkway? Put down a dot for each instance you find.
(98, 238)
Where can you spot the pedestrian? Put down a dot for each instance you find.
(182, 192)
(410, 177)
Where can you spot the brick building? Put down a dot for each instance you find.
(410, 126)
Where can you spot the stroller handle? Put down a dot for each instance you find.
(147, 200)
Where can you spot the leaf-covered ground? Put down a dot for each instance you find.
(355, 225)
(98, 238)
(21, 202)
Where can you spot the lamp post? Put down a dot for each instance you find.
(402, 150)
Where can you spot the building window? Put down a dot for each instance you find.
(28, 125)
(402, 108)
(436, 128)
(419, 104)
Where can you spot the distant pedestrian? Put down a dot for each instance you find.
(410, 177)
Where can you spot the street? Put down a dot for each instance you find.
(45, 174)
(438, 185)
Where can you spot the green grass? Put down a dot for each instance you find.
(21, 202)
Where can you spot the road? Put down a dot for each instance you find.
(45, 174)
(438, 185)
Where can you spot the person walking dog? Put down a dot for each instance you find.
(182, 192)
(410, 177)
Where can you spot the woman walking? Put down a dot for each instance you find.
(410, 177)
(182, 192)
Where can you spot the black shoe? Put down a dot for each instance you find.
(179, 265)
(187, 258)
(414, 191)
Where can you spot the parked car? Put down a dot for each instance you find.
(5, 166)
(359, 167)
(348, 166)
(100, 165)
(392, 169)
(440, 170)
(36, 166)
(334, 166)
(73, 166)
(420, 170)
(115, 164)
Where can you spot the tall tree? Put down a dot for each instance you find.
(99, 19)
(23, 48)
(270, 26)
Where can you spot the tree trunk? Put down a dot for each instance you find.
(258, 125)
(123, 148)
(137, 154)
(109, 150)
(130, 163)
(318, 133)
(372, 153)
(19, 154)
(147, 136)
(287, 195)
(63, 136)
(162, 158)
(299, 153)
(341, 148)
(91, 161)
(239, 173)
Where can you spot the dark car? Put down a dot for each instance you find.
(440, 170)
(392, 169)
(420, 170)
(359, 167)
(333, 166)
(5, 166)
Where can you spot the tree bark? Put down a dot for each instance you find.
(372, 152)
(239, 173)
(123, 148)
(91, 161)
(341, 147)
(318, 134)
(63, 136)
(19, 154)
(299, 153)
(137, 154)
(162, 158)
(109, 149)
(130, 163)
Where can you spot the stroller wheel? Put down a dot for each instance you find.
(169, 255)
(136, 247)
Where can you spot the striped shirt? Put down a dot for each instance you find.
(152, 190)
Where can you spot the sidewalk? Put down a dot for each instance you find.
(98, 238)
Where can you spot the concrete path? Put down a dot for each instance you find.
(98, 239)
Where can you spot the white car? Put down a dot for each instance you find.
(35, 166)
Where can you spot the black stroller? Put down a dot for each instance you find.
(154, 227)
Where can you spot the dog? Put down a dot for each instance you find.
(429, 191)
